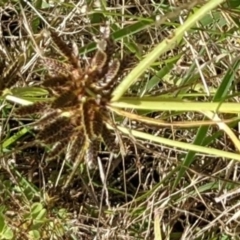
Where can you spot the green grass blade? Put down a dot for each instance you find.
(202, 131)
(181, 145)
(164, 46)
(161, 104)
(13, 139)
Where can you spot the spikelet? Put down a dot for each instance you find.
(76, 146)
(63, 47)
(10, 70)
(67, 99)
(56, 131)
(97, 124)
(55, 81)
(98, 62)
(37, 107)
(126, 63)
(87, 119)
(57, 149)
(92, 153)
(78, 160)
(61, 134)
(53, 127)
(82, 151)
(113, 69)
(48, 117)
(9, 74)
(57, 68)
(108, 81)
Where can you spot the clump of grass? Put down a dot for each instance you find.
(176, 107)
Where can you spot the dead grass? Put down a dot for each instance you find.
(156, 190)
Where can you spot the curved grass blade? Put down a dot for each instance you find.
(164, 46)
(181, 145)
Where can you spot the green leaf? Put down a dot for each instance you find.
(8, 234)
(132, 29)
(37, 4)
(233, 3)
(202, 131)
(13, 139)
(29, 92)
(160, 74)
(62, 213)
(38, 214)
(36, 208)
(41, 215)
(34, 235)
(35, 23)
(2, 223)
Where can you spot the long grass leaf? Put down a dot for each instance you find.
(164, 46)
